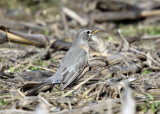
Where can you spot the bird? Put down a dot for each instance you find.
(72, 64)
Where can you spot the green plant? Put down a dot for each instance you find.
(146, 72)
(110, 38)
(151, 104)
(108, 76)
(60, 93)
(46, 32)
(41, 63)
(11, 69)
(2, 102)
(34, 68)
(52, 60)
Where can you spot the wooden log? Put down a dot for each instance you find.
(18, 37)
(115, 16)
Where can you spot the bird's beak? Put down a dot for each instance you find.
(95, 31)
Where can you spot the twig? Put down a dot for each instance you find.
(69, 104)
(124, 42)
(153, 43)
(87, 92)
(75, 16)
(42, 68)
(20, 93)
(150, 37)
(94, 94)
(144, 55)
(45, 101)
(99, 91)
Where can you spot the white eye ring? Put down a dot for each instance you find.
(88, 32)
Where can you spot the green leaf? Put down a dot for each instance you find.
(110, 38)
(34, 68)
(146, 72)
(150, 96)
(2, 102)
(11, 69)
(52, 60)
(46, 32)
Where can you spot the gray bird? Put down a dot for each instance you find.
(73, 63)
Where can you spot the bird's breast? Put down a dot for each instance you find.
(85, 47)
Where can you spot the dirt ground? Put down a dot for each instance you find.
(123, 74)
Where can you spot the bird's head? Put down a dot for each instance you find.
(84, 35)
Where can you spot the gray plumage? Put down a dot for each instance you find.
(73, 63)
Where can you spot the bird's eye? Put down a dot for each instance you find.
(88, 32)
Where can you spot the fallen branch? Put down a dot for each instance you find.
(32, 39)
(75, 16)
(123, 15)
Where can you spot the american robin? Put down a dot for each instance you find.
(73, 63)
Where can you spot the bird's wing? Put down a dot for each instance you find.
(73, 67)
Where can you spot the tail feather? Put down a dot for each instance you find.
(37, 87)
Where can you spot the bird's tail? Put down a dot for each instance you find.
(37, 87)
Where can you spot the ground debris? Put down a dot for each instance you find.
(124, 60)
